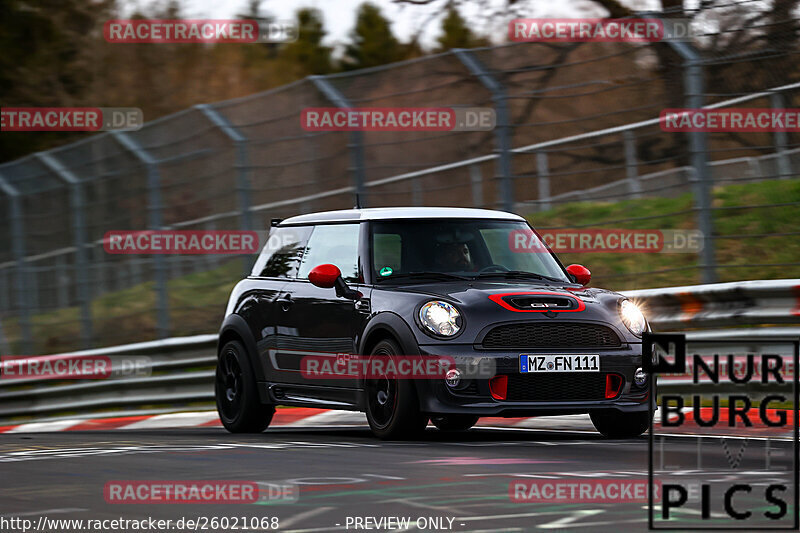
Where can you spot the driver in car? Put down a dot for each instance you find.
(455, 256)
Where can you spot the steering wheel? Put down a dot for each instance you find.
(499, 268)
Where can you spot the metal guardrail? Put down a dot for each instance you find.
(722, 304)
(183, 368)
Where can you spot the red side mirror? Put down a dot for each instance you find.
(581, 274)
(324, 276)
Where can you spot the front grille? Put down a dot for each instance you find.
(553, 335)
(556, 386)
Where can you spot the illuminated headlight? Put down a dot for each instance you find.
(440, 318)
(632, 317)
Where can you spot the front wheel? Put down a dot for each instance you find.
(235, 390)
(454, 422)
(618, 425)
(391, 403)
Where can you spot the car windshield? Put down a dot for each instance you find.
(444, 249)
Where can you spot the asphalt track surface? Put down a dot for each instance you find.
(344, 472)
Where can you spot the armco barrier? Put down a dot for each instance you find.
(751, 303)
(183, 368)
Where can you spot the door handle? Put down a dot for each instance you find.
(361, 305)
(285, 302)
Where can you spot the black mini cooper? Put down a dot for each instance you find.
(478, 289)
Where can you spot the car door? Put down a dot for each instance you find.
(275, 267)
(315, 322)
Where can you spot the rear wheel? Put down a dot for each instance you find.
(391, 404)
(235, 390)
(454, 422)
(618, 425)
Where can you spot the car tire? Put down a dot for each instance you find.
(238, 404)
(392, 405)
(618, 425)
(454, 422)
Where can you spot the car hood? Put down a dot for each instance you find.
(469, 293)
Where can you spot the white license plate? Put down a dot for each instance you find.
(559, 363)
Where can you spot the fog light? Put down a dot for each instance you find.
(640, 377)
(452, 378)
(498, 387)
(614, 384)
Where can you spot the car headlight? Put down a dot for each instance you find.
(440, 318)
(632, 317)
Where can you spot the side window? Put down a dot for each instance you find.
(336, 244)
(281, 255)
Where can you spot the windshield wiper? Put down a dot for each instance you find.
(420, 275)
(517, 274)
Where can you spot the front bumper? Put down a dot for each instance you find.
(475, 399)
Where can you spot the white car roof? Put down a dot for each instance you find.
(394, 213)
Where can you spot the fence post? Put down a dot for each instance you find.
(477, 185)
(356, 146)
(694, 84)
(503, 129)
(18, 249)
(78, 206)
(62, 282)
(416, 193)
(5, 349)
(99, 270)
(5, 301)
(136, 270)
(154, 207)
(211, 259)
(781, 140)
(242, 168)
(631, 164)
(543, 173)
(34, 299)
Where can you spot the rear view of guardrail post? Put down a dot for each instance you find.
(543, 177)
(417, 198)
(78, 207)
(476, 180)
(781, 140)
(242, 167)
(694, 85)
(18, 250)
(356, 146)
(631, 164)
(503, 126)
(154, 215)
(5, 301)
